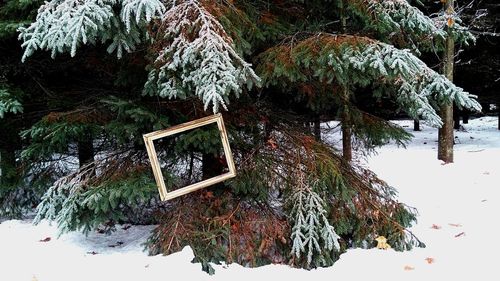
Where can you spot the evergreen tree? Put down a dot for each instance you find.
(295, 200)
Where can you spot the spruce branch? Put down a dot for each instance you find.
(196, 55)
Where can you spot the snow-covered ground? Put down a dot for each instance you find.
(459, 206)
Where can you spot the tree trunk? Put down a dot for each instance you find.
(211, 166)
(85, 150)
(346, 127)
(498, 111)
(343, 17)
(456, 118)
(416, 125)
(465, 116)
(317, 128)
(445, 134)
(7, 166)
(346, 141)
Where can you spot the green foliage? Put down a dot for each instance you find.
(76, 207)
(9, 102)
(50, 136)
(252, 182)
(205, 140)
(130, 121)
(350, 62)
(374, 132)
(15, 14)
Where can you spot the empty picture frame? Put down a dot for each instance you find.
(155, 164)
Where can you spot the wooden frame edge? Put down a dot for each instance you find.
(155, 164)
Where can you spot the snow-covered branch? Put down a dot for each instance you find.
(64, 25)
(398, 20)
(312, 233)
(417, 85)
(197, 57)
(355, 61)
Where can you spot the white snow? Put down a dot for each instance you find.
(462, 201)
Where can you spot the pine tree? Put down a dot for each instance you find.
(272, 70)
(16, 197)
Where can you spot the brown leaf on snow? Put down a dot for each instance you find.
(382, 243)
(429, 260)
(460, 234)
(47, 239)
(408, 268)
(455, 224)
(435, 226)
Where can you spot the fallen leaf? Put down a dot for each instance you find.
(408, 268)
(460, 234)
(435, 226)
(47, 239)
(382, 243)
(455, 224)
(429, 260)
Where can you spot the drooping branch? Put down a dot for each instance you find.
(359, 62)
(405, 24)
(64, 25)
(196, 55)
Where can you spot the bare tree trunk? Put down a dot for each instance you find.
(465, 116)
(498, 111)
(317, 128)
(7, 166)
(211, 165)
(345, 120)
(445, 134)
(346, 128)
(343, 17)
(346, 141)
(86, 150)
(416, 125)
(456, 118)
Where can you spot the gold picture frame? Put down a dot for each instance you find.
(155, 164)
